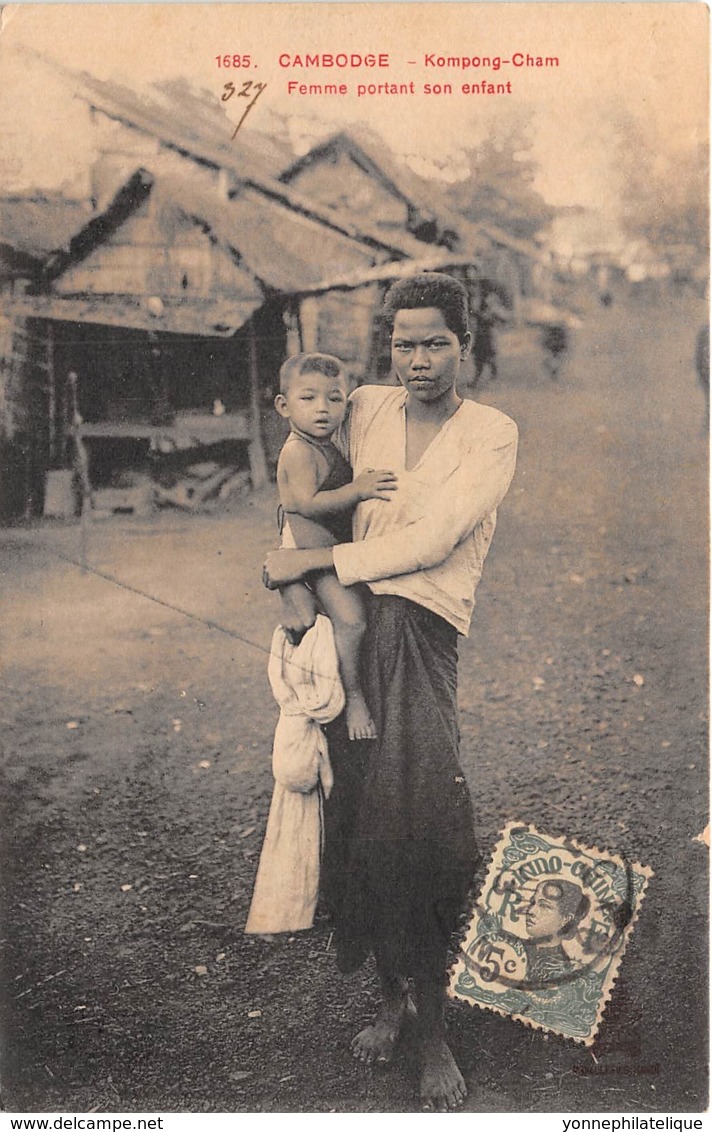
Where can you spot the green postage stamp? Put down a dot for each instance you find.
(548, 933)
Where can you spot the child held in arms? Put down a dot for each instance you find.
(317, 495)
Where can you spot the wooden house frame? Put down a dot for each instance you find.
(202, 243)
(172, 263)
(355, 170)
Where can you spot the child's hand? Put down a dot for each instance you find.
(376, 484)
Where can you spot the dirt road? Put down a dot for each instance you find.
(136, 773)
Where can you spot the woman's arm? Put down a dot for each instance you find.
(474, 490)
(284, 566)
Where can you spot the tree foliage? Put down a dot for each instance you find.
(500, 186)
(663, 190)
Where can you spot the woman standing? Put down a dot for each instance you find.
(400, 848)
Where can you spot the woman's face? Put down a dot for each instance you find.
(545, 918)
(426, 354)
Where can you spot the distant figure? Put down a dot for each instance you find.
(484, 353)
(605, 298)
(555, 343)
(702, 365)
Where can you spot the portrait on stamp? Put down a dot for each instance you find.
(548, 932)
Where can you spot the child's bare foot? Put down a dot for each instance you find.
(442, 1087)
(358, 718)
(376, 1044)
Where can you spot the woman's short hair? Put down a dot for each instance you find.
(430, 289)
(572, 903)
(327, 364)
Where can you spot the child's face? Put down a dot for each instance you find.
(314, 403)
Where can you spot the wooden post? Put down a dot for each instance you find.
(309, 323)
(51, 396)
(256, 448)
(82, 459)
(372, 352)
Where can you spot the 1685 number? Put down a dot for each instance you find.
(233, 60)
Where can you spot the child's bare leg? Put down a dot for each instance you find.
(346, 612)
(344, 608)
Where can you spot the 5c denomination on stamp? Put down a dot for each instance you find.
(547, 936)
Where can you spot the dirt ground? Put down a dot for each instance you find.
(136, 776)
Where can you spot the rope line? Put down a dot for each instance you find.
(209, 624)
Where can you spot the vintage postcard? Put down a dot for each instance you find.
(393, 318)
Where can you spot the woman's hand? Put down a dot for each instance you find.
(284, 566)
(280, 568)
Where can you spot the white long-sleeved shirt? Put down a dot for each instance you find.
(428, 543)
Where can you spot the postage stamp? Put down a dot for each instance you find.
(547, 936)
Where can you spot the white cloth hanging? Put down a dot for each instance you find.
(306, 684)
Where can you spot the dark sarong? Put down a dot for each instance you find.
(400, 849)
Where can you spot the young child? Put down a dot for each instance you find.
(317, 496)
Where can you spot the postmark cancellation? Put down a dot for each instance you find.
(547, 936)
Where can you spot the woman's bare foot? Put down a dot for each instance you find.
(359, 723)
(376, 1044)
(442, 1086)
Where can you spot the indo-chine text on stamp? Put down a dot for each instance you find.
(548, 933)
